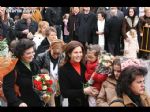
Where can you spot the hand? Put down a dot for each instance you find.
(46, 98)
(141, 34)
(99, 33)
(26, 31)
(88, 90)
(23, 105)
(146, 24)
(30, 35)
(94, 91)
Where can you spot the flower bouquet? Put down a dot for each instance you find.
(44, 86)
(7, 61)
(125, 62)
(104, 66)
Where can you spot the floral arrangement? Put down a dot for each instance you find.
(125, 62)
(105, 63)
(3, 48)
(44, 86)
(7, 60)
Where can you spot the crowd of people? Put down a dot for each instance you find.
(85, 50)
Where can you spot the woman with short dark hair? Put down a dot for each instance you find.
(131, 89)
(22, 77)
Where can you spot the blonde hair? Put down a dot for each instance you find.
(41, 24)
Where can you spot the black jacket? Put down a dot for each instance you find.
(24, 81)
(43, 47)
(70, 25)
(85, 27)
(22, 25)
(43, 60)
(71, 85)
(53, 15)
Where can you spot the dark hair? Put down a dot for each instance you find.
(70, 47)
(102, 13)
(12, 45)
(127, 76)
(22, 45)
(115, 62)
(134, 9)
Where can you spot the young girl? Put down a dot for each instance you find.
(131, 46)
(93, 52)
(65, 30)
(104, 97)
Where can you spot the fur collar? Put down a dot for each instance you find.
(135, 22)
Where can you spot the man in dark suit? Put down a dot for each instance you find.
(86, 22)
(114, 18)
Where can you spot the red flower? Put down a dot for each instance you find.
(49, 90)
(50, 82)
(39, 87)
(42, 76)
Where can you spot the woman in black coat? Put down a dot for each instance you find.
(22, 77)
(71, 76)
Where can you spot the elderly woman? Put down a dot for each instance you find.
(131, 89)
(22, 77)
(72, 76)
(51, 60)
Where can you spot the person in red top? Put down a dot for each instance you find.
(93, 51)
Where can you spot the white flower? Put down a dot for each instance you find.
(44, 87)
(106, 57)
(38, 78)
(47, 77)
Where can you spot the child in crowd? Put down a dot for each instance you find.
(131, 46)
(104, 97)
(65, 30)
(93, 51)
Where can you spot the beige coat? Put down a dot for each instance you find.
(106, 93)
(129, 103)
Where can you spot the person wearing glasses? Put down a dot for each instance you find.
(22, 77)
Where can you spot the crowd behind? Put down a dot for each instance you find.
(68, 45)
